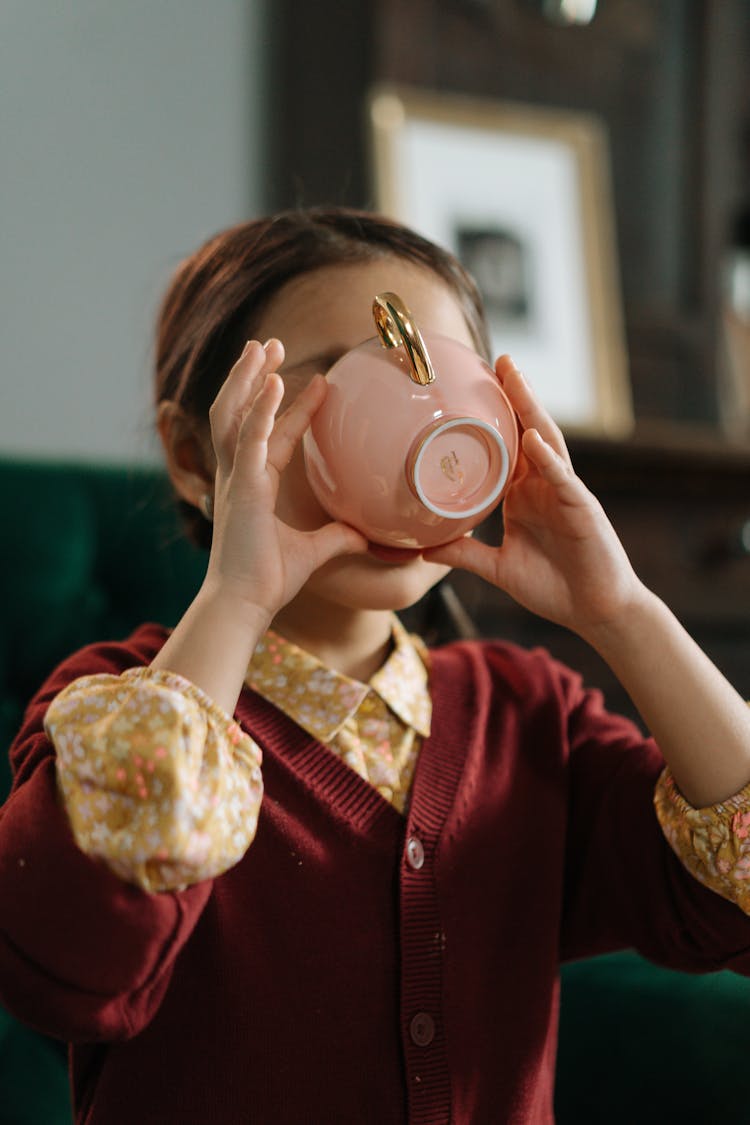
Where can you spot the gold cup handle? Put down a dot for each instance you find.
(396, 326)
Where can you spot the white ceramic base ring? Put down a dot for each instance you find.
(494, 444)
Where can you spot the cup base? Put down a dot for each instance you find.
(458, 467)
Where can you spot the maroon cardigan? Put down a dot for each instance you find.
(356, 966)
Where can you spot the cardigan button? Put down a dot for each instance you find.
(422, 1029)
(415, 852)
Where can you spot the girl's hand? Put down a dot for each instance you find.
(255, 557)
(560, 556)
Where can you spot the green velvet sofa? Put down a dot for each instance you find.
(90, 551)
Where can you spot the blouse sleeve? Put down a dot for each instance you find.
(157, 781)
(712, 843)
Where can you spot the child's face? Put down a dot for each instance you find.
(318, 317)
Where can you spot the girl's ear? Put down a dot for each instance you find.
(188, 453)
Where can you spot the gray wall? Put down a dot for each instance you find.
(129, 131)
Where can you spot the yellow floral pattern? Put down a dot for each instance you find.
(376, 728)
(713, 843)
(157, 780)
(164, 787)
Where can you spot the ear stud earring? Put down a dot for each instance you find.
(207, 506)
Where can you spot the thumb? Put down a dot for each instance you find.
(468, 554)
(333, 540)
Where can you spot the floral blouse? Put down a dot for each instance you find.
(164, 786)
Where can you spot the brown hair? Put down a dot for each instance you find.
(218, 294)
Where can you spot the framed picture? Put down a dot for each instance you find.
(522, 196)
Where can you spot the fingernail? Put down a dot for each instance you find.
(269, 341)
(244, 350)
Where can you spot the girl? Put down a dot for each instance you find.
(436, 830)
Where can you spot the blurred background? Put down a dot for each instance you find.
(129, 132)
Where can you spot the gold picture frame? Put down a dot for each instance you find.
(522, 195)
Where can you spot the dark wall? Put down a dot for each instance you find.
(668, 77)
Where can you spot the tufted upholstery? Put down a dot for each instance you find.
(88, 552)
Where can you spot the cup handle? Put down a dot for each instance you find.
(396, 326)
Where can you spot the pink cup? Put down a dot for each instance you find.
(416, 442)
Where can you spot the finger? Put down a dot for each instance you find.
(274, 350)
(332, 540)
(466, 554)
(294, 421)
(555, 469)
(503, 365)
(251, 452)
(234, 398)
(238, 393)
(527, 406)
